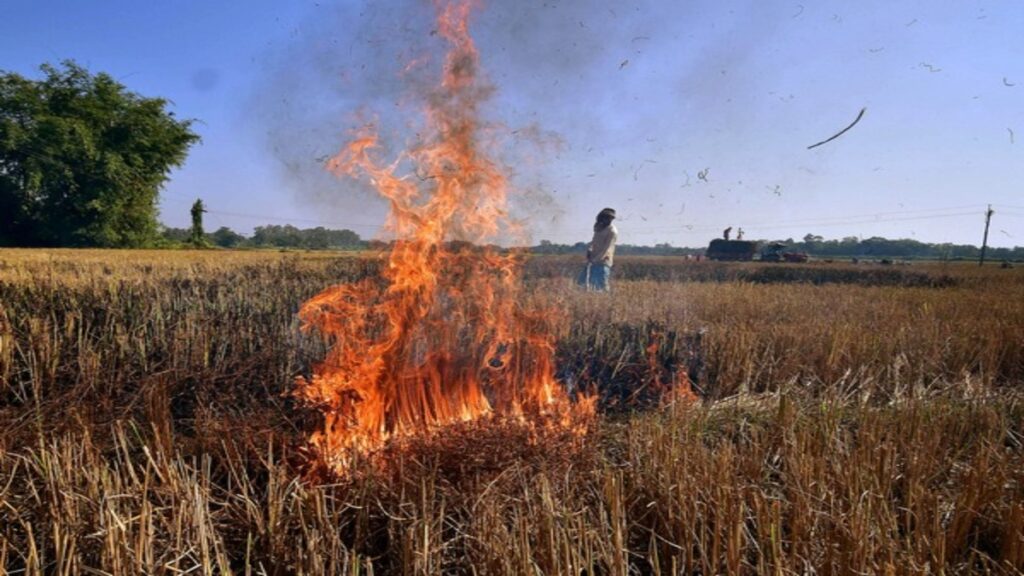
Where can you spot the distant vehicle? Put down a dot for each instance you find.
(734, 250)
(775, 252)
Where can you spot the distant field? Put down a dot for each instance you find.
(852, 419)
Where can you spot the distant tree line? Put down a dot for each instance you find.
(82, 160)
(664, 249)
(818, 247)
(904, 248)
(271, 236)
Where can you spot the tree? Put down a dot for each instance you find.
(175, 235)
(196, 234)
(82, 159)
(226, 237)
(286, 236)
(319, 238)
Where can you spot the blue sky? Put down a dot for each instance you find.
(631, 103)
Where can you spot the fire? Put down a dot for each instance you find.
(446, 334)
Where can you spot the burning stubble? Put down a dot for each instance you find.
(448, 335)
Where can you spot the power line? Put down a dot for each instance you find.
(850, 220)
(264, 217)
(876, 216)
(873, 221)
(831, 221)
(889, 213)
(282, 219)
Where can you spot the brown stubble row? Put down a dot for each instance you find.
(876, 340)
(768, 487)
(849, 428)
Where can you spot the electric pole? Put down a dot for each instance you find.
(984, 242)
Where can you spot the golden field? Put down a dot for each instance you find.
(852, 419)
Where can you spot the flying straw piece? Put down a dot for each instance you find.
(841, 132)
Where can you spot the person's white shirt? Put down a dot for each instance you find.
(602, 247)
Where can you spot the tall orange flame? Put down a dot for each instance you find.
(446, 334)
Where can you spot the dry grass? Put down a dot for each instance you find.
(856, 426)
(871, 339)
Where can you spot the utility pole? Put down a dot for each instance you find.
(984, 242)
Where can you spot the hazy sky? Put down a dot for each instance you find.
(685, 116)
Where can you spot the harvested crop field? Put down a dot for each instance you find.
(800, 418)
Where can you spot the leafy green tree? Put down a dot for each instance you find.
(286, 236)
(82, 159)
(175, 235)
(226, 238)
(319, 238)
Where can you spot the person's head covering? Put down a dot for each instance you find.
(604, 219)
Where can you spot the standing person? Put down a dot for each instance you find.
(601, 253)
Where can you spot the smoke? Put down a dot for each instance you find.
(342, 68)
(575, 84)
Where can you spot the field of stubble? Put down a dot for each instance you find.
(852, 419)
